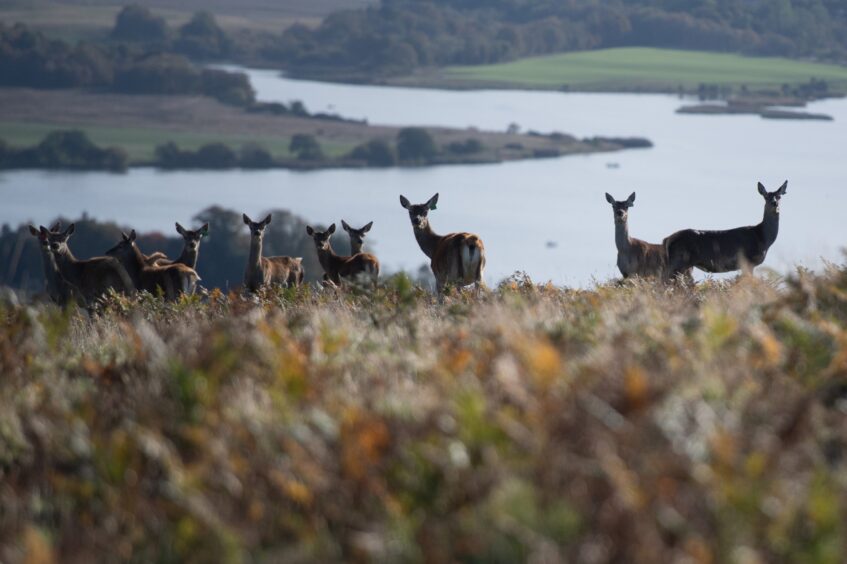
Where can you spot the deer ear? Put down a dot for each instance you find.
(432, 201)
(609, 198)
(70, 229)
(180, 229)
(762, 190)
(204, 230)
(267, 220)
(404, 202)
(309, 230)
(43, 231)
(345, 226)
(246, 219)
(132, 235)
(367, 227)
(331, 229)
(35, 232)
(56, 226)
(783, 189)
(124, 236)
(631, 199)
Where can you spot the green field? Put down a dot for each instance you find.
(651, 69)
(140, 143)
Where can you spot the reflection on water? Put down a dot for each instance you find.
(702, 173)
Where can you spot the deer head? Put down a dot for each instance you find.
(125, 247)
(321, 238)
(418, 212)
(772, 198)
(621, 209)
(59, 239)
(357, 236)
(257, 230)
(41, 233)
(192, 238)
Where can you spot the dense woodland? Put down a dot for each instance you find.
(401, 34)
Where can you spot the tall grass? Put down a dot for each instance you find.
(630, 423)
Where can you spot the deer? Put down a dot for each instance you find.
(58, 289)
(266, 271)
(170, 279)
(190, 249)
(357, 236)
(635, 257)
(742, 248)
(456, 258)
(337, 267)
(90, 278)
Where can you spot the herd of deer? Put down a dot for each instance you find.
(456, 258)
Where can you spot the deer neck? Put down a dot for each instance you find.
(133, 264)
(255, 258)
(329, 260)
(68, 265)
(770, 226)
(188, 257)
(622, 235)
(427, 239)
(355, 248)
(51, 270)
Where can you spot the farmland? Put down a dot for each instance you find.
(622, 422)
(648, 69)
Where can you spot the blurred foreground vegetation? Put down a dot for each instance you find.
(627, 423)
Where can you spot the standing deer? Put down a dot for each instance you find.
(190, 248)
(170, 279)
(91, 278)
(635, 257)
(457, 258)
(357, 236)
(57, 287)
(725, 251)
(266, 271)
(337, 267)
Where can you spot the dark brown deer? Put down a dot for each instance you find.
(357, 236)
(267, 271)
(725, 251)
(336, 267)
(169, 279)
(91, 278)
(635, 257)
(457, 258)
(190, 249)
(57, 287)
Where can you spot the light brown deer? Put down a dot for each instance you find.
(190, 249)
(337, 267)
(357, 236)
(732, 249)
(267, 271)
(635, 257)
(169, 279)
(58, 289)
(457, 258)
(91, 278)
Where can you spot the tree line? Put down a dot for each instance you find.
(398, 35)
(29, 59)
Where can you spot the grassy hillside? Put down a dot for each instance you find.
(621, 423)
(651, 69)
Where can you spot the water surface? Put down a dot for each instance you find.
(702, 173)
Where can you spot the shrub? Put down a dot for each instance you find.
(467, 147)
(375, 153)
(306, 147)
(415, 144)
(137, 23)
(255, 156)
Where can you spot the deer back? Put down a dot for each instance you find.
(459, 257)
(287, 271)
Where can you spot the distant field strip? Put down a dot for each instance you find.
(651, 69)
(140, 143)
